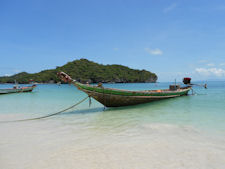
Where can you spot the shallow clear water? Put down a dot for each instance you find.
(192, 127)
(205, 109)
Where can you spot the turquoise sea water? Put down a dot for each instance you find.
(183, 132)
(206, 109)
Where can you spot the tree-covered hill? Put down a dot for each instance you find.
(84, 70)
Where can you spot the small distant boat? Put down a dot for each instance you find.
(17, 89)
(116, 97)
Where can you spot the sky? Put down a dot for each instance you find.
(172, 38)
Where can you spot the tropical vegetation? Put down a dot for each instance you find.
(84, 71)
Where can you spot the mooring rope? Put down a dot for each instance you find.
(195, 93)
(48, 115)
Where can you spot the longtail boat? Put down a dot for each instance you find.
(110, 97)
(17, 89)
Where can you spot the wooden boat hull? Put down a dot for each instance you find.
(110, 100)
(117, 98)
(17, 90)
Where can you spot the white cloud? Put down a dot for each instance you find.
(170, 8)
(115, 49)
(222, 64)
(154, 51)
(210, 64)
(203, 61)
(211, 71)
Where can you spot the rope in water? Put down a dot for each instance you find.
(195, 93)
(48, 115)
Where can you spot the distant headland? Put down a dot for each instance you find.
(85, 71)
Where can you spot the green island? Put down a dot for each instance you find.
(85, 71)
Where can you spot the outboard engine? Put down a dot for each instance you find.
(187, 80)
